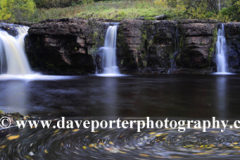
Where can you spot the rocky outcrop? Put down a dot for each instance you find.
(10, 118)
(70, 46)
(128, 44)
(161, 17)
(10, 28)
(197, 39)
(146, 46)
(154, 46)
(232, 33)
(65, 46)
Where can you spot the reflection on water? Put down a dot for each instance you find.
(16, 97)
(221, 92)
(111, 85)
(187, 96)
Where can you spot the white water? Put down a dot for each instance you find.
(13, 48)
(219, 4)
(12, 54)
(109, 58)
(222, 64)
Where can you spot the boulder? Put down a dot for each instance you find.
(161, 17)
(10, 28)
(65, 46)
(232, 33)
(197, 39)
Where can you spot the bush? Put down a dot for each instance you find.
(60, 3)
(13, 10)
(231, 12)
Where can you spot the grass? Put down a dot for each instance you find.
(116, 10)
(55, 13)
(124, 10)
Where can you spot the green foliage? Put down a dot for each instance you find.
(204, 9)
(60, 3)
(55, 13)
(197, 9)
(1, 112)
(13, 10)
(24, 10)
(231, 12)
(119, 10)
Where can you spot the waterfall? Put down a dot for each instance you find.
(222, 65)
(219, 5)
(12, 52)
(108, 56)
(2, 58)
(175, 53)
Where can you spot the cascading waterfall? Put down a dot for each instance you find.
(2, 56)
(22, 31)
(222, 65)
(12, 52)
(175, 54)
(219, 4)
(109, 62)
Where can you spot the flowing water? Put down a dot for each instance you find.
(12, 53)
(219, 5)
(222, 64)
(109, 58)
(129, 97)
(173, 61)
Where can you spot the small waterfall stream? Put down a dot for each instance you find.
(219, 5)
(222, 64)
(2, 57)
(108, 56)
(173, 61)
(12, 53)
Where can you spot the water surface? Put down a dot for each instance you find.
(187, 96)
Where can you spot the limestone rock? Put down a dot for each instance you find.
(197, 43)
(161, 17)
(64, 46)
(232, 32)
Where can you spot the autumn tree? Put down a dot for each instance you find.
(60, 3)
(16, 10)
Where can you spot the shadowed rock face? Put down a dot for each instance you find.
(149, 46)
(70, 46)
(197, 44)
(146, 46)
(232, 31)
(65, 46)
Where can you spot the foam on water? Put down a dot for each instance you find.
(32, 77)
